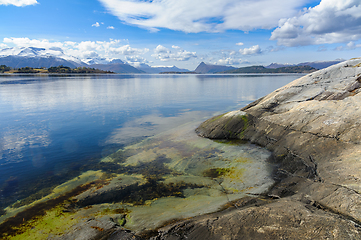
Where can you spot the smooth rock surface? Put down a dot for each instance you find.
(312, 127)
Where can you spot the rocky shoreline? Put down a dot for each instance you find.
(310, 125)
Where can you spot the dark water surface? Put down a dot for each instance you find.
(54, 127)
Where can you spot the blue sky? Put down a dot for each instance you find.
(187, 32)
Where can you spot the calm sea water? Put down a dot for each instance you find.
(53, 127)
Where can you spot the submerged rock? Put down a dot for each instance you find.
(312, 127)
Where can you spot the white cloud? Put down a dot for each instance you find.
(230, 61)
(136, 61)
(18, 3)
(203, 15)
(161, 49)
(254, 50)
(26, 42)
(240, 44)
(332, 21)
(96, 24)
(349, 46)
(2, 46)
(110, 27)
(275, 49)
(127, 50)
(164, 54)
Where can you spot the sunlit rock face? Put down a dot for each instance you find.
(311, 126)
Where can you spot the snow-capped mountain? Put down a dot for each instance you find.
(41, 57)
(33, 52)
(18, 57)
(92, 61)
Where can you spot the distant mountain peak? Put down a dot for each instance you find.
(158, 69)
(209, 68)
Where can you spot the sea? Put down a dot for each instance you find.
(55, 129)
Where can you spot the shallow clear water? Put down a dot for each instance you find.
(54, 128)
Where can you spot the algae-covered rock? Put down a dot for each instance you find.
(226, 126)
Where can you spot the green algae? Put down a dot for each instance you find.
(215, 172)
(24, 220)
(55, 221)
(139, 194)
(246, 124)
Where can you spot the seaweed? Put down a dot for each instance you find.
(21, 221)
(138, 194)
(215, 172)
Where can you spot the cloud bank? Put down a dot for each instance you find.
(112, 49)
(332, 21)
(164, 54)
(254, 50)
(193, 16)
(18, 3)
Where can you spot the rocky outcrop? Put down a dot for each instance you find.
(311, 125)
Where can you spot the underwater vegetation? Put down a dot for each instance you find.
(19, 223)
(138, 194)
(145, 184)
(216, 172)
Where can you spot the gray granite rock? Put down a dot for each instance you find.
(312, 127)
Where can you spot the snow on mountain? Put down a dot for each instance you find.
(18, 57)
(91, 61)
(33, 52)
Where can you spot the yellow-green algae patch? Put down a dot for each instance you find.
(54, 222)
(25, 220)
(239, 169)
(84, 178)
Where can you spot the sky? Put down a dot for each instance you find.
(186, 32)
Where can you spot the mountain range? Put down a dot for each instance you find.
(262, 69)
(52, 57)
(317, 64)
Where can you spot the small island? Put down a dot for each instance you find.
(60, 69)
